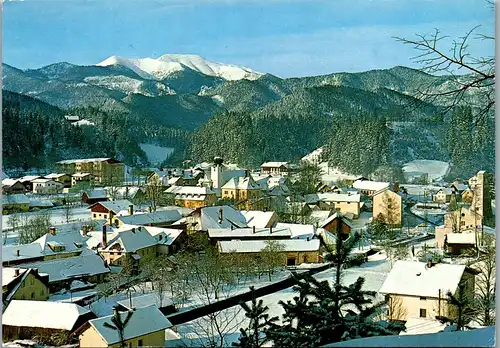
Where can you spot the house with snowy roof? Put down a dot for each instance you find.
(337, 224)
(203, 219)
(241, 189)
(161, 218)
(26, 319)
(248, 233)
(46, 186)
(443, 195)
(192, 196)
(346, 203)
(293, 251)
(84, 179)
(27, 181)
(88, 267)
(298, 231)
(260, 219)
(368, 187)
(24, 284)
(146, 328)
(62, 178)
(109, 210)
(274, 168)
(419, 289)
(94, 196)
(103, 170)
(12, 186)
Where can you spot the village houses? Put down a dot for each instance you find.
(274, 168)
(24, 284)
(103, 170)
(192, 196)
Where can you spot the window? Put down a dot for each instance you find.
(95, 215)
(139, 343)
(423, 313)
(290, 262)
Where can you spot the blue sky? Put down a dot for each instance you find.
(283, 37)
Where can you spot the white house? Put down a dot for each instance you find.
(46, 186)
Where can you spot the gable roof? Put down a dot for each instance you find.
(190, 192)
(143, 321)
(26, 252)
(230, 217)
(369, 185)
(72, 241)
(241, 183)
(257, 218)
(38, 314)
(96, 194)
(461, 238)
(29, 178)
(15, 199)
(302, 231)
(115, 206)
(9, 275)
(131, 239)
(255, 246)
(9, 182)
(333, 217)
(88, 264)
(416, 279)
(151, 218)
(55, 175)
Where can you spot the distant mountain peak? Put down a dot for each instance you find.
(167, 64)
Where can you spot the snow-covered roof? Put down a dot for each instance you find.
(445, 190)
(182, 210)
(461, 238)
(151, 218)
(80, 175)
(484, 337)
(333, 217)
(416, 326)
(416, 279)
(29, 178)
(15, 199)
(87, 264)
(37, 202)
(189, 190)
(461, 187)
(230, 217)
(369, 185)
(26, 252)
(318, 216)
(44, 181)
(9, 275)
(131, 239)
(254, 246)
(298, 230)
(143, 321)
(96, 194)
(274, 164)
(257, 218)
(249, 232)
(9, 182)
(332, 197)
(116, 206)
(145, 301)
(72, 241)
(43, 314)
(165, 236)
(241, 183)
(85, 160)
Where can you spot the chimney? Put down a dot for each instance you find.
(429, 263)
(271, 230)
(16, 272)
(221, 216)
(133, 229)
(115, 311)
(104, 237)
(150, 209)
(52, 230)
(253, 229)
(17, 252)
(139, 228)
(131, 209)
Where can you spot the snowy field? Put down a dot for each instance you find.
(332, 175)
(435, 169)
(156, 154)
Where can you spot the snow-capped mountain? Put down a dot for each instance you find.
(163, 67)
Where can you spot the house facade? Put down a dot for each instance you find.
(62, 178)
(110, 210)
(192, 197)
(82, 179)
(12, 186)
(443, 195)
(389, 206)
(240, 189)
(24, 284)
(47, 186)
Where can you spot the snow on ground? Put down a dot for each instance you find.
(331, 175)
(156, 154)
(435, 169)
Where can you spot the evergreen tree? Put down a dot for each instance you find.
(254, 336)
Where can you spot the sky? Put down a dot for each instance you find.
(286, 38)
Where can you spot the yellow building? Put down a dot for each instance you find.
(389, 206)
(191, 196)
(345, 203)
(241, 188)
(24, 284)
(146, 328)
(103, 170)
(419, 290)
